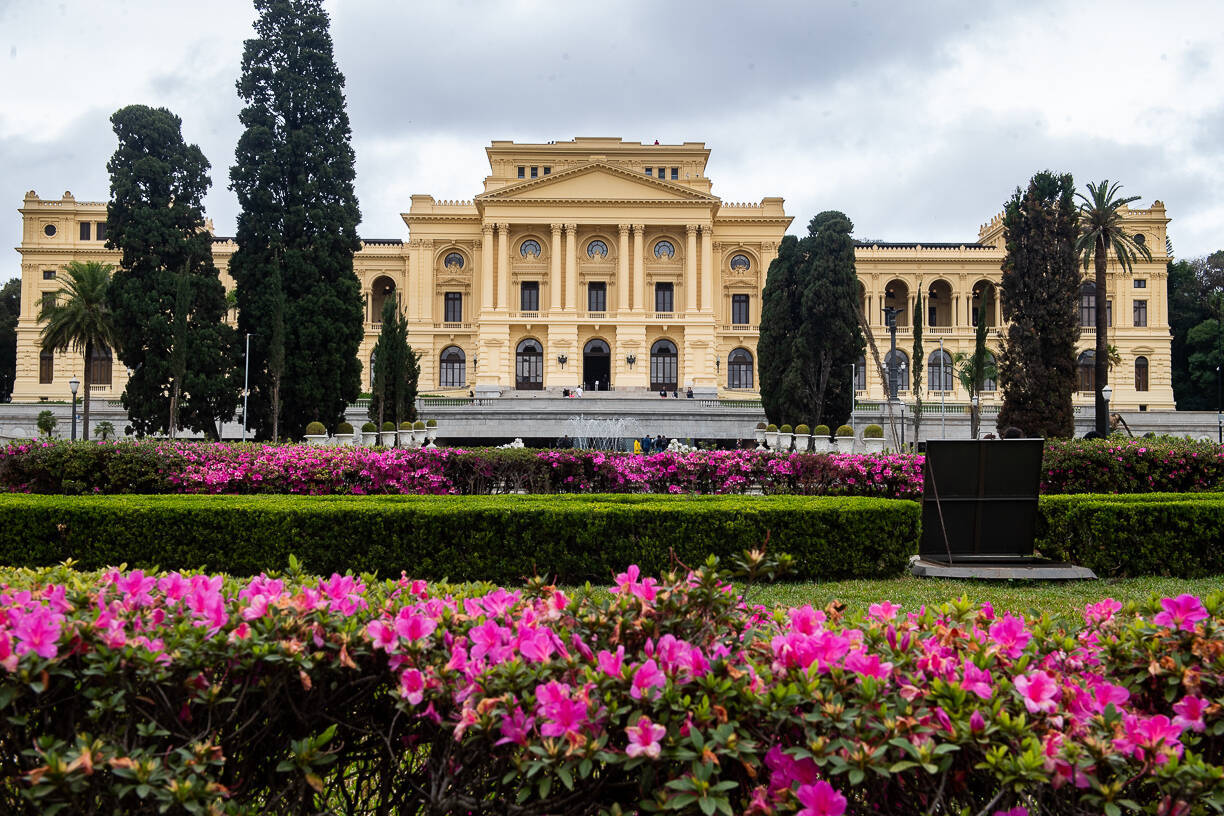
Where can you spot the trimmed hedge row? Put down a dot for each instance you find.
(486, 538)
(1174, 534)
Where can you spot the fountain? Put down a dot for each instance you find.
(602, 434)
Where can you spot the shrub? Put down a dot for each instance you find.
(104, 430)
(405, 426)
(418, 425)
(368, 427)
(802, 430)
(873, 432)
(345, 428)
(785, 429)
(316, 429)
(431, 423)
(772, 428)
(1138, 534)
(1135, 466)
(283, 694)
(503, 538)
(845, 430)
(46, 422)
(760, 426)
(821, 431)
(388, 426)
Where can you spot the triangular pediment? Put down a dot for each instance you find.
(596, 181)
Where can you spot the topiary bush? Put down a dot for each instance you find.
(785, 429)
(315, 429)
(431, 423)
(760, 426)
(388, 426)
(405, 426)
(873, 432)
(418, 425)
(344, 428)
(821, 430)
(771, 428)
(368, 427)
(802, 430)
(845, 430)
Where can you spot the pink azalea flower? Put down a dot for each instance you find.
(1158, 735)
(785, 770)
(412, 686)
(515, 727)
(820, 799)
(646, 678)
(1039, 691)
(412, 625)
(1102, 611)
(37, 631)
(610, 664)
(1190, 711)
(806, 620)
(1010, 636)
(977, 681)
(868, 665)
(1183, 612)
(644, 738)
(885, 611)
(977, 723)
(382, 635)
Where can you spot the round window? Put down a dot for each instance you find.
(597, 249)
(530, 248)
(49, 230)
(454, 259)
(1140, 239)
(741, 262)
(664, 250)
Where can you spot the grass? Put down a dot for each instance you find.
(1059, 598)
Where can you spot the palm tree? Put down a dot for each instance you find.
(1102, 232)
(79, 317)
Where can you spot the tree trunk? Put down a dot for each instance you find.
(275, 408)
(1102, 339)
(85, 417)
(174, 395)
(875, 356)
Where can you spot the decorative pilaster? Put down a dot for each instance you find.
(503, 267)
(622, 271)
(571, 267)
(639, 270)
(690, 269)
(554, 276)
(485, 294)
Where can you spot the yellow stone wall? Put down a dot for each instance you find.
(597, 189)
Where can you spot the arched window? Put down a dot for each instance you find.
(381, 290)
(898, 370)
(529, 366)
(664, 251)
(530, 248)
(1086, 365)
(100, 366)
(664, 368)
(990, 383)
(46, 367)
(860, 373)
(453, 259)
(939, 371)
(1141, 374)
(741, 262)
(896, 296)
(939, 304)
(371, 371)
(739, 369)
(597, 249)
(452, 369)
(1088, 304)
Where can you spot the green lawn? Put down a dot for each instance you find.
(1060, 598)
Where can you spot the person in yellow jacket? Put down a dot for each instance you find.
(637, 446)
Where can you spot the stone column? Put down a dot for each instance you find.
(554, 276)
(571, 267)
(707, 270)
(503, 267)
(622, 271)
(639, 270)
(690, 269)
(485, 293)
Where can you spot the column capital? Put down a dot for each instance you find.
(476, 243)
(623, 229)
(487, 227)
(571, 228)
(640, 229)
(690, 229)
(556, 228)
(503, 226)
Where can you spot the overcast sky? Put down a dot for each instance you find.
(918, 119)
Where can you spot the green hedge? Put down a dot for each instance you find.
(493, 538)
(1174, 534)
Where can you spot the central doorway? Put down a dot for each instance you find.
(596, 366)
(529, 366)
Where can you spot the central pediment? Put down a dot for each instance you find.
(597, 181)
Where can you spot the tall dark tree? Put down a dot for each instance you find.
(918, 363)
(1039, 296)
(297, 229)
(810, 336)
(167, 299)
(1102, 233)
(10, 307)
(1195, 292)
(396, 370)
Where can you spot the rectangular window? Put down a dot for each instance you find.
(675, 173)
(46, 367)
(453, 311)
(85, 225)
(48, 274)
(100, 232)
(739, 310)
(650, 171)
(663, 297)
(597, 297)
(1140, 283)
(522, 171)
(547, 170)
(1140, 312)
(529, 296)
(662, 172)
(535, 172)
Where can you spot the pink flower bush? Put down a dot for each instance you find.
(479, 694)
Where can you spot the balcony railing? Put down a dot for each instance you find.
(451, 325)
(526, 315)
(663, 315)
(742, 328)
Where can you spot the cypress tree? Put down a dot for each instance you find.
(10, 305)
(780, 303)
(917, 363)
(297, 229)
(1039, 296)
(167, 301)
(396, 370)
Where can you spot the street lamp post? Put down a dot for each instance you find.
(852, 389)
(73, 385)
(1106, 393)
(943, 410)
(246, 384)
(900, 379)
(973, 407)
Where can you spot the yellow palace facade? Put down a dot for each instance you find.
(608, 264)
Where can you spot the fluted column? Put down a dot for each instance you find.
(690, 269)
(503, 266)
(486, 269)
(639, 270)
(707, 270)
(622, 271)
(554, 277)
(571, 267)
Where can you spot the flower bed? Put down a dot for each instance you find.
(146, 693)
